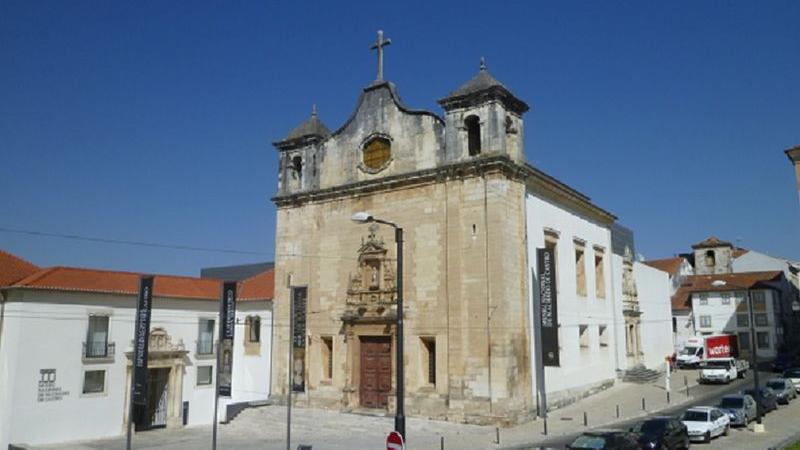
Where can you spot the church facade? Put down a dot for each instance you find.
(473, 212)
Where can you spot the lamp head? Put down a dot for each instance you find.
(361, 217)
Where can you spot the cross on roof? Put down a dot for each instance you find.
(378, 45)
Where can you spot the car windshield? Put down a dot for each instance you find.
(716, 364)
(650, 426)
(689, 351)
(731, 402)
(589, 442)
(776, 384)
(794, 373)
(695, 416)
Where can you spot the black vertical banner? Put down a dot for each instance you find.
(227, 318)
(141, 338)
(299, 297)
(548, 309)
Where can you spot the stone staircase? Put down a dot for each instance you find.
(640, 375)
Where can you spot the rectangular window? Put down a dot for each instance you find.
(703, 299)
(761, 320)
(742, 320)
(705, 321)
(580, 270)
(327, 357)
(602, 332)
(674, 324)
(254, 329)
(97, 337)
(726, 298)
(583, 336)
(599, 274)
(744, 340)
(205, 337)
(429, 359)
(94, 381)
(204, 375)
(759, 302)
(763, 339)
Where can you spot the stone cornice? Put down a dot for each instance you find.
(534, 179)
(794, 154)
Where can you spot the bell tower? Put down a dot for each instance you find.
(301, 155)
(483, 117)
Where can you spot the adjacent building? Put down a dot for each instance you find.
(474, 212)
(66, 338)
(794, 156)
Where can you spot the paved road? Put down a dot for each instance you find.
(709, 396)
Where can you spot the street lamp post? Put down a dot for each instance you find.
(399, 417)
(754, 358)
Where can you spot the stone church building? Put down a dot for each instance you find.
(474, 212)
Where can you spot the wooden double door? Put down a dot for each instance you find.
(376, 371)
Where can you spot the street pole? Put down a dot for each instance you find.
(400, 418)
(754, 358)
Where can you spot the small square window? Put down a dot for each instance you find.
(705, 321)
(94, 381)
(761, 320)
(744, 340)
(204, 375)
(726, 299)
(703, 299)
(742, 320)
(763, 340)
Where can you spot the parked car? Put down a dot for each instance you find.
(605, 440)
(784, 390)
(662, 433)
(741, 409)
(765, 398)
(793, 375)
(706, 422)
(785, 360)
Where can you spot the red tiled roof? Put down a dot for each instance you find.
(711, 241)
(76, 279)
(13, 269)
(711, 283)
(737, 252)
(669, 265)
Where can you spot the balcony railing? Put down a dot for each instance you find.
(98, 350)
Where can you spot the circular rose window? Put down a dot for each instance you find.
(377, 152)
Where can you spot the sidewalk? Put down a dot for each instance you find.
(265, 427)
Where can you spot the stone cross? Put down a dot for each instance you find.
(378, 45)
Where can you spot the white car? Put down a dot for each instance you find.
(794, 376)
(705, 423)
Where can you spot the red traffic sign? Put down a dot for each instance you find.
(395, 441)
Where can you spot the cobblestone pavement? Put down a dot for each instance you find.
(265, 427)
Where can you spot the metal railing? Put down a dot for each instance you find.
(98, 350)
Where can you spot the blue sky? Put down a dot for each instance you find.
(153, 121)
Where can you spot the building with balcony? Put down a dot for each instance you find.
(66, 343)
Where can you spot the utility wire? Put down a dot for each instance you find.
(134, 243)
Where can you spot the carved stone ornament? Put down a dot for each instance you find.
(160, 341)
(629, 293)
(371, 289)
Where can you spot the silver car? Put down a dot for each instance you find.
(784, 390)
(740, 408)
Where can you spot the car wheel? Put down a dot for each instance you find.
(707, 437)
(727, 428)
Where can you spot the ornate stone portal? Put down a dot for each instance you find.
(631, 312)
(371, 291)
(162, 356)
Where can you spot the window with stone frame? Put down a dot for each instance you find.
(742, 320)
(583, 337)
(428, 359)
(94, 381)
(599, 273)
(326, 357)
(204, 374)
(602, 333)
(710, 259)
(580, 269)
(253, 324)
(473, 127)
(763, 339)
(744, 341)
(705, 321)
(97, 336)
(377, 153)
(761, 320)
(205, 337)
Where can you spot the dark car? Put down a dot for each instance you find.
(605, 440)
(662, 433)
(784, 390)
(765, 398)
